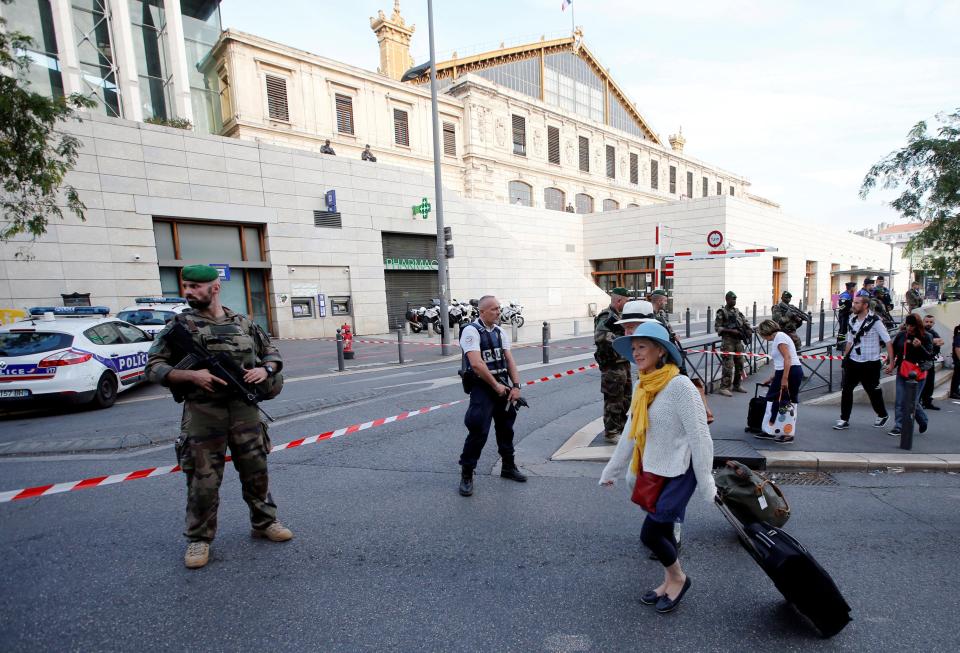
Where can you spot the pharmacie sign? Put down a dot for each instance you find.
(410, 264)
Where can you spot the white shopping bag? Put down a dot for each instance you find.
(783, 421)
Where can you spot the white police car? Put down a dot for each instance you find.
(76, 354)
(152, 313)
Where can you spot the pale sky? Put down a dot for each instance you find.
(801, 97)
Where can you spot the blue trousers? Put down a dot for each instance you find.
(794, 379)
(901, 406)
(485, 407)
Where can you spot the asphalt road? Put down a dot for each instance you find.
(387, 555)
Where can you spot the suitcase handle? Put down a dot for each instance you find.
(776, 490)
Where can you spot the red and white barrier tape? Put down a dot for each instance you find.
(816, 357)
(150, 472)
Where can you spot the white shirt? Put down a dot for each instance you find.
(782, 339)
(868, 349)
(470, 338)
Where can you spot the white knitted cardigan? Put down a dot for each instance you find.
(677, 434)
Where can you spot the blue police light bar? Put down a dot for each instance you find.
(160, 300)
(70, 310)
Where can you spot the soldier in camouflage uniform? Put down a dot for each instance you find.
(615, 382)
(789, 323)
(214, 418)
(730, 325)
(912, 297)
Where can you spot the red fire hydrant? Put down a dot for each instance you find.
(347, 342)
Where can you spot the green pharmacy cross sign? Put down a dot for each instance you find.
(423, 208)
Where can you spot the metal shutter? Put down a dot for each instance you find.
(689, 184)
(413, 288)
(519, 135)
(277, 107)
(673, 180)
(553, 145)
(344, 114)
(654, 174)
(611, 161)
(401, 131)
(705, 186)
(634, 169)
(553, 199)
(584, 154)
(449, 139)
(327, 219)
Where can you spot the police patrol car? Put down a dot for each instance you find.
(73, 353)
(152, 313)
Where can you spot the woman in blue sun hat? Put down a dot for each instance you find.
(668, 446)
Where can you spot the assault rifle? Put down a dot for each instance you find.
(795, 312)
(198, 357)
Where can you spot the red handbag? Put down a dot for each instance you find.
(906, 366)
(647, 489)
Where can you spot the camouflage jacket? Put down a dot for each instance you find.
(664, 319)
(604, 333)
(781, 315)
(234, 334)
(913, 299)
(729, 318)
(882, 295)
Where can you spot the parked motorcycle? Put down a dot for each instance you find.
(511, 314)
(459, 313)
(425, 317)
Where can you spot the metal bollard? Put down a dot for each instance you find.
(688, 321)
(340, 365)
(709, 326)
(576, 328)
(400, 344)
(830, 368)
(546, 342)
(754, 313)
(514, 332)
(709, 368)
(906, 428)
(821, 304)
(809, 328)
(823, 316)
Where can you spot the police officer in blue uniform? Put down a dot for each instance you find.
(490, 377)
(844, 306)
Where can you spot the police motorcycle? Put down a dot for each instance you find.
(473, 313)
(424, 317)
(458, 313)
(511, 314)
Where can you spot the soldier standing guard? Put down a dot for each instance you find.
(913, 297)
(844, 306)
(614, 369)
(729, 325)
(785, 315)
(215, 418)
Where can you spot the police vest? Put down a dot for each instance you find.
(491, 352)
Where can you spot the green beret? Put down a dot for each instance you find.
(623, 292)
(786, 293)
(731, 295)
(199, 273)
(659, 291)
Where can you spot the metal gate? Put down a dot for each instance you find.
(408, 287)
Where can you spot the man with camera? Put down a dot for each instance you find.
(491, 378)
(866, 340)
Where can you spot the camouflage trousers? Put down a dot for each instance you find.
(732, 365)
(207, 429)
(617, 388)
(796, 339)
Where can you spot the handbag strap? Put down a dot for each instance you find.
(776, 490)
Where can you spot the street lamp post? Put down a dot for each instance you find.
(438, 190)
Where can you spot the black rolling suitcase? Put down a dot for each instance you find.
(795, 573)
(756, 411)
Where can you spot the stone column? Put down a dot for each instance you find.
(124, 59)
(179, 68)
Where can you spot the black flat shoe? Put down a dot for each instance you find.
(513, 474)
(923, 428)
(665, 604)
(931, 407)
(650, 598)
(466, 487)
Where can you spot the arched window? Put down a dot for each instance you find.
(610, 205)
(521, 193)
(554, 198)
(584, 203)
(631, 205)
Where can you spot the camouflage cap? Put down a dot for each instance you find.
(199, 273)
(622, 292)
(659, 292)
(731, 295)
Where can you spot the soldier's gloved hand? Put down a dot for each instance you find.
(205, 380)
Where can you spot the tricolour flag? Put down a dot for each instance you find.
(563, 7)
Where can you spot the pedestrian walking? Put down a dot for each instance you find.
(788, 317)
(912, 352)
(491, 378)
(666, 453)
(926, 397)
(731, 325)
(861, 362)
(787, 374)
(614, 369)
(955, 353)
(214, 416)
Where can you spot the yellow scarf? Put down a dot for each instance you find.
(643, 395)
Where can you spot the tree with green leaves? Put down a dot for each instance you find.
(34, 157)
(928, 171)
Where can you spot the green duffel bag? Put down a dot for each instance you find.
(750, 496)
